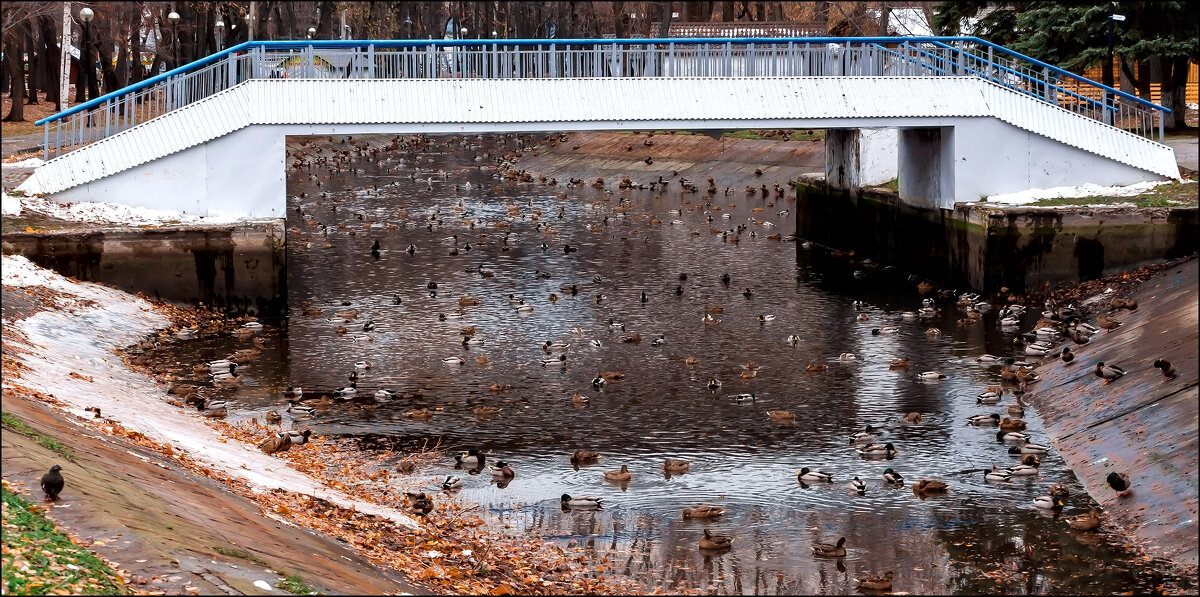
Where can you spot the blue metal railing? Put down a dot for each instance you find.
(644, 57)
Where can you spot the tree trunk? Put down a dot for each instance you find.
(664, 26)
(12, 65)
(109, 74)
(53, 57)
(325, 22)
(135, 42)
(1174, 91)
(727, 11)
(35, 62)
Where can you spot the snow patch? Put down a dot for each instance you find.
(1086, 190)
(26, 163)
(11, 206)
(83, 341)
(121, 214)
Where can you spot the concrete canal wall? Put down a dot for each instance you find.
(986, 248)
(238, 268)
(1138, 424)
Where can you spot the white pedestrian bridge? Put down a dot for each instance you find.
(953, 118)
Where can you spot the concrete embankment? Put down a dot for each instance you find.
(1138, 424)
(238, 268)
(730, 162)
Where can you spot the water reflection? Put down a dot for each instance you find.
(741, 459)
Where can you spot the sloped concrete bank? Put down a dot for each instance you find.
(1138, 424)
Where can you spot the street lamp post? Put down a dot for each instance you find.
(87, 66)
(408, 27)
(174, 19)
(1107, 72)
(311, 32)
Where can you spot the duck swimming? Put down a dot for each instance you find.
(888, 451)
(709, 541)
(621, 475)
(827, 550)
(807, 474)
(859, 486)
(583, 502)
(892, 477)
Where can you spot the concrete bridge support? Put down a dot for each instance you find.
(856, 158)
(926, 167)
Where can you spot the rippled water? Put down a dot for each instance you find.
(661, 409)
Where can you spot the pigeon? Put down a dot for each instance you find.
(52, 483)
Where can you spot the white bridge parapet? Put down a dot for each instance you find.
(959, 138)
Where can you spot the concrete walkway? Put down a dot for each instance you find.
(20, 144)
(1138, 424)
(1186, 154)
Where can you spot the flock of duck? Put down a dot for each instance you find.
(1057, 325)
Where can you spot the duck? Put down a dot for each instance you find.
(676, 466)
(275, 444)
(891, 477)
(524, 309)
(888, 451)
(419, 414)
(298, 438)
(470, 458)
(501, 470)
(884, 330)
(1048, 502)
(859, 486)
(987, 358)
(714, 384)
(876, 583)
(1168, 370)
(1085, 522)
(807, 474)
(293, 393)
(1067, 356)
(1119, 482)
(1023, 470)
(451, 483)
(555, 345)
(815, 367)
(985, 419)
(212, 409)
(484, 410)
(988, 397)
(927, 486)
(420, 503)
(1108, 373)
(828, 550)
(1107, 323)
(898, 363)
(299, 409)
(709, 541)
(847, 356)
(598, 382)
(584, 456)
(1060, 490)
(913, 417)
(272, 416)
(659, 341)
(1029, 448)
(1011, 436)
(793, 339)
(559, 360)
(866, 435)
(746, 293)
(997, 476)
(744, 397)
(454, 360)
(703, 512)
(580, 400)
(347, 392)
(781, 415)
(621, 475)
(583, 502)
(1008, 424)
(691, 361)
(766, 318)
(931, 375)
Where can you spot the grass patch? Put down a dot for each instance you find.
(775, 135)
(12, 422)
(296, 585)
(237, 553)
(38, 560)
(1175, 194)
(893, 184)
